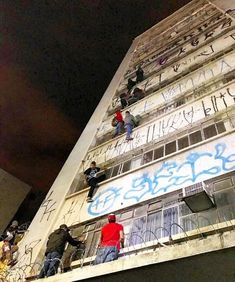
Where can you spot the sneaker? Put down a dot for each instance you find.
(89, 199)
(128, 139)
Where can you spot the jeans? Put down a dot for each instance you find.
(128, 130)
(106, 254)
(51, 265)
(118, 128)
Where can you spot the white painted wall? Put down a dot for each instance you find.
(154, 62)
(184, 116)
(191, 166)
(30, 248)
(155, 41)
(157, 99)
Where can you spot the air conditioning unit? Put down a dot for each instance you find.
(198, 199)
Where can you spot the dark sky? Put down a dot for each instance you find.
(56, 60)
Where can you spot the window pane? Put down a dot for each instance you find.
(170, 147)
(136, 232)
(159, 153)
(148, 157)
(209, 131)
(153, 228)
(207, 218)
(136, 162)
(108, 172)
(126, 215)
(183, 142)
(225, 202)
(94, 244)
(140, 211)
(170, 217)
(222, 184)
(195, 137)
(220, 127)
(155, 206)
(115, 170)
(126, 166)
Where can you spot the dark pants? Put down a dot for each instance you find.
(51, 265)
(93, 183)
(106, 254)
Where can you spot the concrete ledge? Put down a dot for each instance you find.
(194, 247)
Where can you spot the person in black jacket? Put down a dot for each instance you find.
(55, 249)
(92, 179)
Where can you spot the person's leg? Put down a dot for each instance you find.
(100, 256)
(129, 131)
(54, 264)
(92, 182)
(45, 267)
(111, 254)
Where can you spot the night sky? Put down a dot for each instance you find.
(56, 60)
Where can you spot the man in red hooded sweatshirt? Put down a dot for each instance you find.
(118, 118)
(112, 238)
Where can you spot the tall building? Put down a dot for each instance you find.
(13, 192)
(172, 186)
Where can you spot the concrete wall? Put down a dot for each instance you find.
(183, 169)
(13, 192)
(172, 122)
(162, 96)
(209, 159)
(30, 248)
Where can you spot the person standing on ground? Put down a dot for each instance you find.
(92, 179)
(55, 249)
(112, 239)
(129, 124)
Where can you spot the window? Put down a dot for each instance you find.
(170, 219)
(136, 231)
(153, 226)
(195, 137)
(209, 131)
(148, 157)
(116, 170)
(220, 127)
(170, 148)
(126, 166)
(183, 142)
(159, 153)
(136, 162)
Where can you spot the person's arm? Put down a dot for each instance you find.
(122, 237)
(98, 169)
(72, 241)
(9, 236)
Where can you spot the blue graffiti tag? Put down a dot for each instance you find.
(104, 201)
(166, 178)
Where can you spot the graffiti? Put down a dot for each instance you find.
(221, 66)
(48, 206)
(175, 120)
(70, 211)
(154, 62)
(26, 258)
(168, 176)
(104, 200)
(156, 42)
(154, 82)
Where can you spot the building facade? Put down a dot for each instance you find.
(13, 192)
(182, 146)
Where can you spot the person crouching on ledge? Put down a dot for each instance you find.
(112, 239)
(92, 179)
